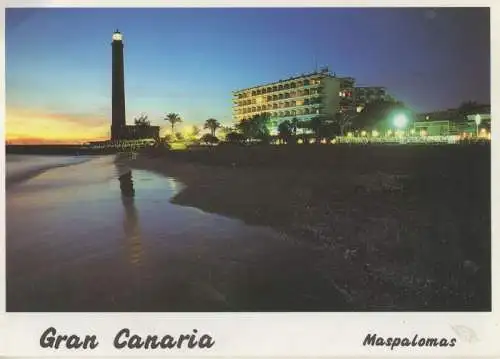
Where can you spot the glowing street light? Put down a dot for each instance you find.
(400, 121)
(375, 133)
(477, 119)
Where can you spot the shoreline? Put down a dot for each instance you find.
(384, 240)
(22, 176)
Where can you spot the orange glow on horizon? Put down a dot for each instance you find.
(40, 127)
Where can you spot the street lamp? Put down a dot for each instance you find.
(400, 121)
(477, 119)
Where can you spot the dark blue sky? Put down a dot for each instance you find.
(189, 60)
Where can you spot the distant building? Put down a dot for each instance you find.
(455, 126)
(451, 114)
(140, 132)
(483, 117)
(367, 94)
(457, 114)
(303, 97)
(434, 128)
(454, 122)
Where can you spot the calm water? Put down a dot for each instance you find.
(75, 242)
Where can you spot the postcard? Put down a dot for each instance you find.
(259, 180)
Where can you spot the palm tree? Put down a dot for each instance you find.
(285, 131)
(295, 124)
(212, 124)
(142, 121)
(173, 118)
(343, 120)
(317, 125)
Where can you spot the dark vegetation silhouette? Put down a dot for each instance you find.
(212, 125)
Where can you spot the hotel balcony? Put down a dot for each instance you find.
(277, 88)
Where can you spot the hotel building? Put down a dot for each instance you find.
(304, 97)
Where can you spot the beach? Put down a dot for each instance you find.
(319, 228)
(76, 242)
(393, 227)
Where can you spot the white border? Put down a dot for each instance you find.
(258, 334)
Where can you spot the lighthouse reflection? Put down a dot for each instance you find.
(131, 220)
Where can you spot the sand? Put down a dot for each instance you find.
(392, 227)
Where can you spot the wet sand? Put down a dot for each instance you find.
(390, 227)
(75, 242)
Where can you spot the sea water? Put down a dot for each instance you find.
(76, 241)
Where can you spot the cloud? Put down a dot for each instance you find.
(40, 126)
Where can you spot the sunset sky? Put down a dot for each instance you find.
(188, 61)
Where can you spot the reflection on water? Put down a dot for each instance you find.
(66, 229)
(131, 220)
(174, 185)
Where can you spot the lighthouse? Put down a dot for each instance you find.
(118, 123)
